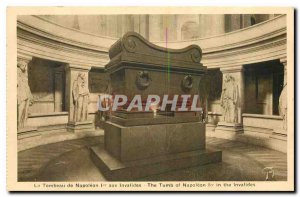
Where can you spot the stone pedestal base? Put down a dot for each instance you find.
(27, 129)
(27, 132)
(80, 126)
(279, 134)
(138, 151)
(139, 142)
(231, 127)
(210, 127)
(115, 170)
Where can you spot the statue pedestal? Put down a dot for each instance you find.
(115, 170)
(139, 151)
(279, 134)
(229, 127)
(80, 126)
(27, 129)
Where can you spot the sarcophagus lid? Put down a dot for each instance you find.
(132, 50)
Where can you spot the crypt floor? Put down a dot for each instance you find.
(70, 161)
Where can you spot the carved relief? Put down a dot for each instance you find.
(24, 94)
(130, 44)
(143, 80)
(80, 92)
(230, 99)
(187, 83)
(196, 55)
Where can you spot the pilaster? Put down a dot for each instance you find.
(24, 57)
(283, 61)
(232, 99)
(23, 92)
(281, 133)
(75, 124)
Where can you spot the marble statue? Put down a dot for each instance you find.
(80, 93)
(24, 94)
(283, 106)
(230, 100)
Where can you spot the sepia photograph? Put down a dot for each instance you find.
(150, 99)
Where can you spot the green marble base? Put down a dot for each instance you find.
(115, 170)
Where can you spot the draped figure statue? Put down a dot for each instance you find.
(283, 106)
(230, 100)
(80, 93)
(24, 95)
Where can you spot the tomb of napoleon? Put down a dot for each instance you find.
(141, 143)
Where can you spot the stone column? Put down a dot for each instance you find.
(144, 26)
(112, 25)
(24, 96)
(155, 28)
(233, 22)
(169, 23)
(103, 25)
(281, 132)
(271, 16)
(246, 20)
(119, 26)
(210, 25)
(136, 23)
(77, 98)
(127, 24)
(141, 25)
(232, 99)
